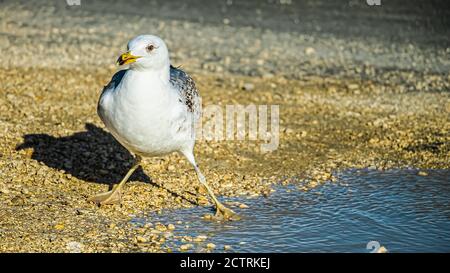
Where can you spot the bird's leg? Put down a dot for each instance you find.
(114, 196)
(221, 210)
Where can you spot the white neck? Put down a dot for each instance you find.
(162, 73)
(143, 83)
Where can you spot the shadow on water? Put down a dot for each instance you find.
(92, 155)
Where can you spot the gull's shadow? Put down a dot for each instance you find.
(92, 155)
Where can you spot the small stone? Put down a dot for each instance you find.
(243, 206)
(141, 230)
(75, 247)
(79, 212)
(160, 227)
(200, 238)
(186, 247)
(332, 89)
(352, 86)
(310, 51)
(422, 173)
(170, 226)
(248, 86)
(227, 247)
(268, 75)
(141, 239)
(59, 226)
(210, 246)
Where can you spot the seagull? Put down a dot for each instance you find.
(151, 108)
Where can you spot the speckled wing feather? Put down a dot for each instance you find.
(188, 91)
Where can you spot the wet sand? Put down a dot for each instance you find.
(346, 101)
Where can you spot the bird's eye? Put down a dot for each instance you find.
(150, 47)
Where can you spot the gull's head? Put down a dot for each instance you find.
(145, 52)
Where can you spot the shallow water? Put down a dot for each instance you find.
(399, 209)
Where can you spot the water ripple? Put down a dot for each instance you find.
(403, 211)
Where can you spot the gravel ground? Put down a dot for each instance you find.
(373, 95)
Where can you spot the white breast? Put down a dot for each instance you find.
(145, 115)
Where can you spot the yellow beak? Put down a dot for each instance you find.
(127, 58)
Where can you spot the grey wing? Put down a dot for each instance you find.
(115, 80)
(188, 91)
